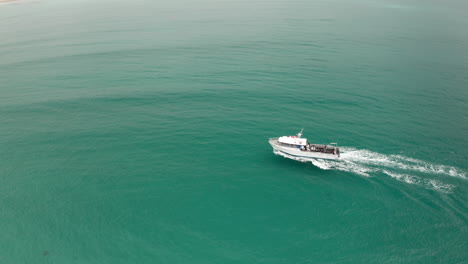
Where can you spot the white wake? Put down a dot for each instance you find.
(367, 163)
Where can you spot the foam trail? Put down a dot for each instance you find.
(344, 165)
(347, 166)
(399, 162)
(367, 163)
(426, 183)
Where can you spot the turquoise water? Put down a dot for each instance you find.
(136, 131)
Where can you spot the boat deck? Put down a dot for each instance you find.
(326, 149)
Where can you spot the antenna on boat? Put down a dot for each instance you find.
(300, 133)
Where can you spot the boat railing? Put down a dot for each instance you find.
(310, 147)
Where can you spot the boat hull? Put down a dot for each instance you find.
(296, 152)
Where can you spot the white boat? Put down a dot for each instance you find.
(298, 147)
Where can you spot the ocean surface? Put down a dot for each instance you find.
(136, 131)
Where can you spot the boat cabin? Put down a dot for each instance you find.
(292, 141)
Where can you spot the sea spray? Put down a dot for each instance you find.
(368, 163)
